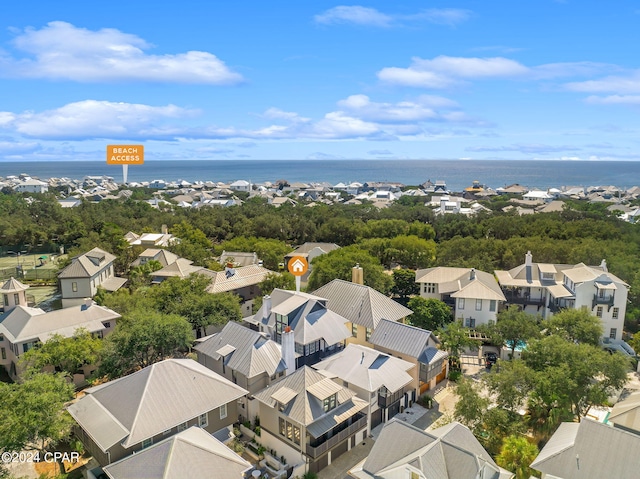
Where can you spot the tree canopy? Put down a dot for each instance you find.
(429, 313)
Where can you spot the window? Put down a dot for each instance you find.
(415, 475)
(329, 403)
(492, 305)
(6, 299)
(1, 337)
(282, 321)
(147, 442)
(203, 420)
(599, 312)
(4, 353)
(223, 411)
(281, 374)
(16, 298)
(74, 287)
(300, 349)
(182, 427)
(470, 322)
(282, 426)
(289, 431)
(613, 333)
(313, 347)
(478, 305)
(354, 330)
(296, 434)
(107, 324)
(429, 288)
(460, 303)
(368, 335)
(167, 432)
(615, 313)
(601, 293)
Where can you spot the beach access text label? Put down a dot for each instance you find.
(125, 154)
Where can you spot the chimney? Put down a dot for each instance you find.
(266, 307)
(289, 350)
(164, 230)
(472, 274)
(603, 265)
(357, 274)
(528, 259)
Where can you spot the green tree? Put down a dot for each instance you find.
(412, 252)
(270, 251)
(516, 455)
(141, 275)
(577, 325)
(510, 384)
(66, 354)
(144, 338)
(497, 424)
(33, 414)
(277, 280)
(515, 327)
(193, 244)
(338, 264)
(454, 338)
(429, 313)
(470, 407)
(404, 283)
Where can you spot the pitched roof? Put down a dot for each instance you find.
(367, 368)
(402, 338)
(306, 407)
(626, 413)
(23, 324)
(236, 278)
(12, 285)
(450, 452)
(164, 256)
(253, 354)
(599, 449)
(150, 401)
(240, 258)
(462, 282)
(191, 454)
(308, 317)
(88, 264)
(305, 249)
(361, 304)
(181, 268)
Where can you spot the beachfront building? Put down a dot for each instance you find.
(383, 381)
(544, 288)
(362, 306)
(129, 414)
(310, 419)
(318, 331)
(86, 273)
(474, 296)
(23, 328)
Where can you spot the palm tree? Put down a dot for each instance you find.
(516, 455)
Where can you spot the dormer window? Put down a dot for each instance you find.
(329, 403)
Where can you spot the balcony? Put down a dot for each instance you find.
(524, 298)
(386, 400)
(604, 300)
(333, 441)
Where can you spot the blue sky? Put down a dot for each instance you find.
(314, 79)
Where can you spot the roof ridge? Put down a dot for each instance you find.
(144, 393)
(174, 440)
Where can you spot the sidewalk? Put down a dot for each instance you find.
(338, 469)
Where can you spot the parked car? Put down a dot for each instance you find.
(490, 359)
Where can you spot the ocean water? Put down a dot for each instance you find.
(458, 174)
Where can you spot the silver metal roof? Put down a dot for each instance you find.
(191, 454)
(402, 338)
(242, 276)
(84, 267)
(361, 304)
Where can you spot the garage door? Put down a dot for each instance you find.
(339, 450)
(376, 418)
(394, 409)
(321, 463)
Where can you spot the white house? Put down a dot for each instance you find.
(240, 185)
(537, 195)
(31, 185)
(474, 296)
(542, 288)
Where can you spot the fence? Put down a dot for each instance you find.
(28, 274)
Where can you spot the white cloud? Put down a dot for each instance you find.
(366, 16)
(400, 112)
(354, 14)
(613, 84)
(278, 114)
(614, 100)
(95, 119)
(532, 148)
(62, 51)
(19, 147)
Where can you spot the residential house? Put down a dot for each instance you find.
(310, 420)
(537, 195)
(180, 268)
(543, 288)
(589, 449)
(318, 331)
(362, 306)
(243, 281)
(626, 414)
(85, 274)
(403, 451)
(417, 346)
(127, 415)
(474, 296)
(383, 381)
(31, 185)
(309, 251)
(454, 205)
(240, 185)
(239, 258)
(150, 240)
(23, 327)
(162, 256)
(246, 357)
(191, 454)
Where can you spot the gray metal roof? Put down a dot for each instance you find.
(438, 454)
(626, 413)
(590, 447)
(243, 276)
(367, 368)
(191, 454)
(305, 408)
(305, 249)
(361, 304)
(12, 285)
(253, 354)
(181, 268)
(402, 338)
(88, 264)
(156, 398)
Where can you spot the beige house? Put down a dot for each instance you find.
(417, 346)
(362, 306)
(162, 256)
(310, 419)
(474, 296)
(130, 414)
(545, 289)
(243, 281)
(382, 380)
(85, 274)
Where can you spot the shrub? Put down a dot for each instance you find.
(257, 430)
(455, 376)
